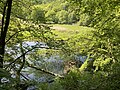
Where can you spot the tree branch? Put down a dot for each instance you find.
(25, 54)
(12, 36)
(24, 76)
(47, 72)
(23, 62)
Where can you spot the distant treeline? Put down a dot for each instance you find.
(57, 12)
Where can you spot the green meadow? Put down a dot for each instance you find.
(68, 31)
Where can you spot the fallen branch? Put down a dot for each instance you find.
(47, 72)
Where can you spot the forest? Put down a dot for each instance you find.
(59, 44)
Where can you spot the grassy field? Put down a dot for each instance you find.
(69, 31)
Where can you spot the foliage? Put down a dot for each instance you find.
(20, 30)
(76, 80)
(51, 16)
(54, 10)
(7, 81)
(105, 21)
(38, 15)
(62, 17)
(72, 18)
(100, 43)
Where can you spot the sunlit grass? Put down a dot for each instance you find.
(68, 31)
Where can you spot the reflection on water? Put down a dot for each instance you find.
(53, 63)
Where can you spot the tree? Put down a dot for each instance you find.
(103, 16)
(38, 15)
(62, 17)
(4, 29)
(51, 16)
(15, 31)
(72, 18)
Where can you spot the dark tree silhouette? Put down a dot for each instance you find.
(4, 29)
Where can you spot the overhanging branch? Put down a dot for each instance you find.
(12, 36)
(25, 54)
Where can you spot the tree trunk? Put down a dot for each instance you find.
(4, 29)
